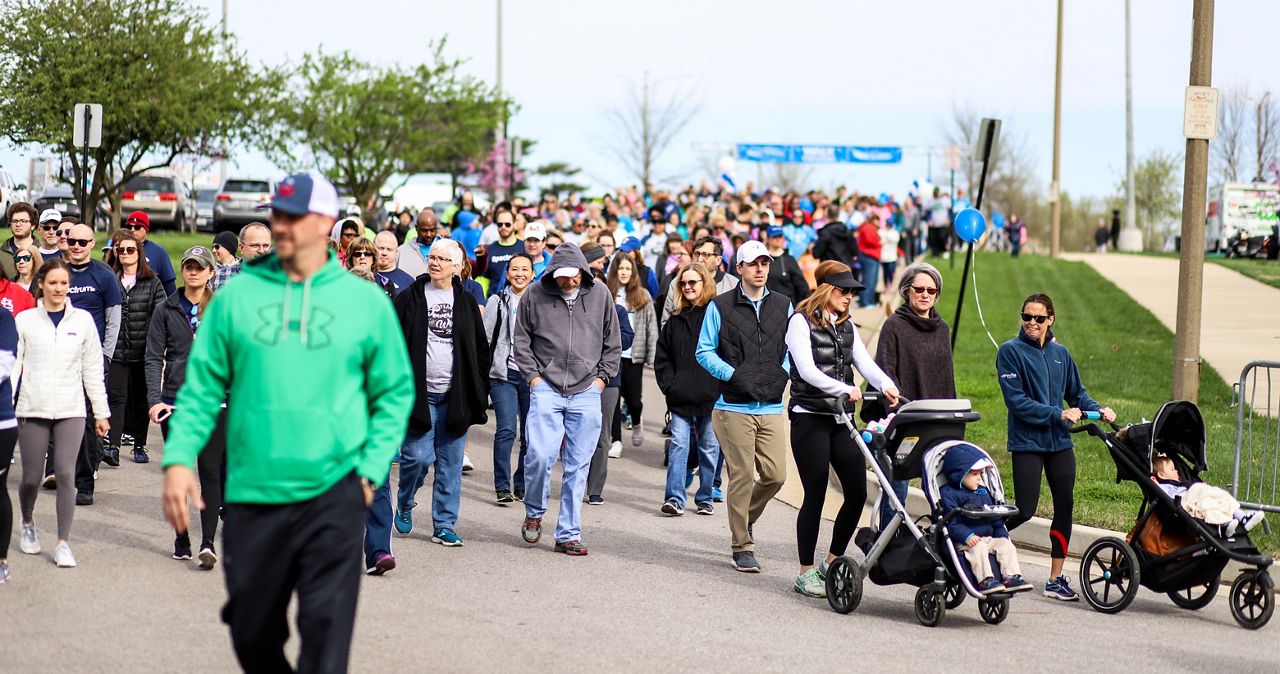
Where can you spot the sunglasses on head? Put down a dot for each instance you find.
(1027, 318)
(83, 243)
(922, 290)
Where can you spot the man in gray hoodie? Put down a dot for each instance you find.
(567, 346)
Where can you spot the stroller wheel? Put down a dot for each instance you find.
(930, 607)
(1198, 597)
(1109, 575)
(955, 594)
(1252, 599)
(844, 585)
(993, 611)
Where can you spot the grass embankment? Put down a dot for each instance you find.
(1124, 354)
(176, 243)
(1266, 271)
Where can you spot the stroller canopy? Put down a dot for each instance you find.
(1178, 430)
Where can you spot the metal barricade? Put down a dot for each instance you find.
(1255, 477)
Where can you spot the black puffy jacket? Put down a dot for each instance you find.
(136, 308)
(690, 390)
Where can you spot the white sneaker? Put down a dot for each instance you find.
(637, 435)
(63, 558)
(1253, 520)
(467, 466)
(615, 450)
(29, 541)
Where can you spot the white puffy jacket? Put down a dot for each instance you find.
(57, 367)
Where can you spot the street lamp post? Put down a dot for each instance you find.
(1130, 235)
(1055, 212)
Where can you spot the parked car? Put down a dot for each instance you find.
(9, 195)
(166, 200)
(60, 197)
(204, 208)
(236, 204)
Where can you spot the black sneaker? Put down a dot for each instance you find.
(140, 454)
(84, 498)
(746, 562)
(126, 439)
(504, 496)
(111, 456)
(518, 495)
(181, 547)
(706, 509)
(672, 507)
(208, 557)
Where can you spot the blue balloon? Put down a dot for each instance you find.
(997, 219)
(884, 199)
(970, 224)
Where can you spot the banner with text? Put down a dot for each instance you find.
(819, 154)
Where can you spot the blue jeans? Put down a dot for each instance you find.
(555, 422)
(438, 449)
(685, 431)
(510, 408)
(377, 524)
(886, 511)
(870, 277)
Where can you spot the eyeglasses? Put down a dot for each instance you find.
(126, 251)
(134, 226)
(361, 253)
(1027, 318)
(925, 290)
(82, 243)
(703, 255)
(690, 284)
(13, 221)
(21, 258)
(441, 260)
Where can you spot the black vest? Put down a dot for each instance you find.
(754, 346)
(833, 354)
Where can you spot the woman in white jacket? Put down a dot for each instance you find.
(59, 362)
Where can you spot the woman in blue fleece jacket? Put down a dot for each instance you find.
(1036, 375)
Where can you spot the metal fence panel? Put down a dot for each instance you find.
(1255, 477)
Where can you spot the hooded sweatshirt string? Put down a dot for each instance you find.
(306, 304)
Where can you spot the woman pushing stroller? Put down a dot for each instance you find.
(1036, 375)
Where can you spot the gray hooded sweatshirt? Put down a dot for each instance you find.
(569, 344)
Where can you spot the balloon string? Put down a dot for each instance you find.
(973, 273)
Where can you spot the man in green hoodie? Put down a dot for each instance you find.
(316, 378)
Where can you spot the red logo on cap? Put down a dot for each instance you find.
(286, 190)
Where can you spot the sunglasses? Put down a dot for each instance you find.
(134, 226)
(844, 291)
(361, 253)
(1027, 318)
(83, 243)
(48, 228)
(63, 232)
(922, 290)
(21, 258)
(690, 284)
(126, 251)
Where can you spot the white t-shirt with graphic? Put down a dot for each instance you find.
(439, 338)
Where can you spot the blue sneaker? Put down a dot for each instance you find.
(446, 537)
(717, 495)
(1060, 590)
(404, 520)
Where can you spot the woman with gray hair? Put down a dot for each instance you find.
(914, 348)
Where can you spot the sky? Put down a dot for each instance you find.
(752, 71)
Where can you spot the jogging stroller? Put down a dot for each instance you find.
(914, 444)
(1168, 550)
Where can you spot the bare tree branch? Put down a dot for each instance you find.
(1266, 136)
(1228, 148)
(646, 125)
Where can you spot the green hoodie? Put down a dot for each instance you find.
(316, 379)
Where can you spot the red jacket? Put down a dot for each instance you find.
(14, 297)
(869, 240)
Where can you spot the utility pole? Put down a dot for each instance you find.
(1186, 345)
(1055, 213)
(500, 134)
(1130, 236)
(226, 49)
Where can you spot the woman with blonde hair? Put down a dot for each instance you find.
(27, 261)
(690, 390)
(825, 348)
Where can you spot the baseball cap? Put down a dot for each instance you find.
(774, 231)
(227, 240)
(841, 279)
(567, 272)
(303, 193)
(630, 244)
(50, 215)
(752, 251)
(535, 230)
(200, 254)
(139, 218)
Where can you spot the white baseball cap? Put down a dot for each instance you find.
(535, 230)
(752, 251)
(567, 272)
(50, 215)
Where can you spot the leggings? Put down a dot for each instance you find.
(211, 467)
(34, 434)
(633, 388)
(1059, 468)
(8, 438)
(820, 444)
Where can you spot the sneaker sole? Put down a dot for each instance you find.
(441, 541)
(745, 569)
(61, 565)
(572, 553)
(531, 536)
(668, 509)
(1024, 588)
(181, 558)
(381, 566)
(706, 512)
(208, 559)
(806, 594)
(1055, 595)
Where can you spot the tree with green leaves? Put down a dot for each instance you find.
(1157, 180)
(168, 83)
(360, 123)
(560, 176)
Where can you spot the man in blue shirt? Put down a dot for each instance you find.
(139, 223)
(742, 344)
(384, 268)
(491, 260)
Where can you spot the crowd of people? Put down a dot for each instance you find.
(368, 344)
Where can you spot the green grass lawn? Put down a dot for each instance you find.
(1266, 271)
(1124, 355)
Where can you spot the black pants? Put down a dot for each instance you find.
(820, 444)
(1059, 469)
(211, 466)
(312, 547)
(8, 439)
(126, 396)
(633, 388)
(938, 240)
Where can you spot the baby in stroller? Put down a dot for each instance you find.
(1213, 505)
(978, 538)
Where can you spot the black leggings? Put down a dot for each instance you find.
(820, 444)
(211, 466)
(633, 388)
(8, 439)
(1059, 468)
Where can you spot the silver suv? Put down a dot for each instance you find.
(166, 200)
(236, 204)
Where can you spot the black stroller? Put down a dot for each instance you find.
(1189, 573)
(913, 445)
